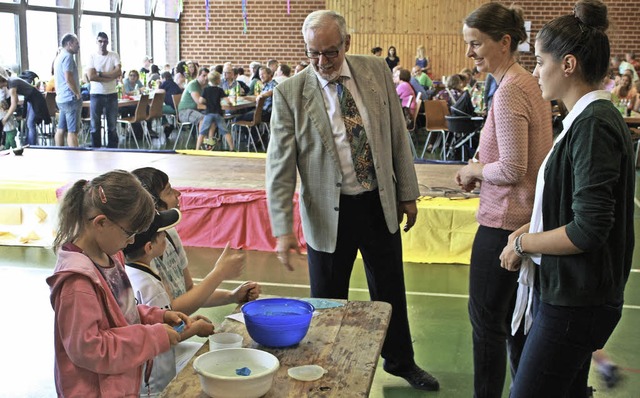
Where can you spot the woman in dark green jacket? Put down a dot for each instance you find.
(576, 253)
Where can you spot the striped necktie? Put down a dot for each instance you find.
(357, 137)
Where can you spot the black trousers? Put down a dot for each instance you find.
(361, 226)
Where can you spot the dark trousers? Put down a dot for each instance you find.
(362, 226)
(557, 355)
(492, 293)
(109, 104)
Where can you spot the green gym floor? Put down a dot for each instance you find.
(436, 295)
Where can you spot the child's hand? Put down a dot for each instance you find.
(174, 318)
(248, 291)
(174, 337)
(230, 265)
(202, 326)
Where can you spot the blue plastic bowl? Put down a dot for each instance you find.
(277, 322)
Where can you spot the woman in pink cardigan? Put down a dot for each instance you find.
(513, 143)
(401, 78)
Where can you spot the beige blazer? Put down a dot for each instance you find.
(302, 140)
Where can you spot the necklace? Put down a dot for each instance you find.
(505, 72)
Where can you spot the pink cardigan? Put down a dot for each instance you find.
(404, 91)
(96, 352)
(514, 141)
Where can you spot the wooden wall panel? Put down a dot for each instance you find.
(406, 24)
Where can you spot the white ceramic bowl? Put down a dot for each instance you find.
(218, 378)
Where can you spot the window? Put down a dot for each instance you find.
(8, 29)
(52, 3)
(134, 36)
(100, 5)
(136, 7)
(165, 43)
(90, 26)
(42, 48)
(167, 9)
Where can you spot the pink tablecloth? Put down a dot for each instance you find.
(212, 217)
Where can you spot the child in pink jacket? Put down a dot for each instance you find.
(102, 338)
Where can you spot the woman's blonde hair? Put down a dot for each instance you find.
(117, 194)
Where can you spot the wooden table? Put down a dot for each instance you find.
(121, 103)
(346, 341)
(246, 102)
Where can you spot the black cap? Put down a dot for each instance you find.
(161, 222)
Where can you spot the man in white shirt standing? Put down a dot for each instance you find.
(104, 69)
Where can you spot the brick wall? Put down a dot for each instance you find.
(272, 33)
(624, 26)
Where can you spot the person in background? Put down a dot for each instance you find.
(631, 58)
(147, 62)
(68, 96)
(423, 79)
(273, 65)
(241, 77)
(173, 265)
(468, 78)
(153, 76)
(255, 77)
(392, 58)
(170, 88)
(421, 59)
(188, 106)
(625, 92)
(453, 91)
(132, 84)
(377, 51)
(212, 95)
(515, 138)
(266, 76)
(167, 68)
(180, 74)
(229, 84)
(148, 289)
(580, 238)
(104, 69)
(192, 70)
(622, 65)
(102, 338)
(36, 106)
(346, 205)
(8, 128)
(282, 73)
(401, 78)
(50, 87)
(417, 87)
(300, 67)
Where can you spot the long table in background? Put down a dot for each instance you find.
(346, 341)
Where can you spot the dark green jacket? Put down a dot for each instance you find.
(589, 187)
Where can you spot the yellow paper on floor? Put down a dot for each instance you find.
(30, 237)
(6, 235)
(11, 215)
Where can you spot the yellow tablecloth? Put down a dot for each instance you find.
(443, 233)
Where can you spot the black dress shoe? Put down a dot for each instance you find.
(418, 378)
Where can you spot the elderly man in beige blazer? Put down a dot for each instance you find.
(357, 178)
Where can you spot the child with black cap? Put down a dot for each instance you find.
(149, 289)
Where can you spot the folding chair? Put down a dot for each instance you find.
(413, 128)
(256, 124)
(155, 109)
(139, 117)
(435, 112)
(462, 129)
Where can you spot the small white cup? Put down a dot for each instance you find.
(219, 341)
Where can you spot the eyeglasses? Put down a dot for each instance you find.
(129, 234)
(317, 54)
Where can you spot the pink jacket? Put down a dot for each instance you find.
(96, 352)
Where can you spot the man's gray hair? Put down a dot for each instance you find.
(321, 18)
(254, 66)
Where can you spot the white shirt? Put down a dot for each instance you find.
(103, 63)
(350, 184)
